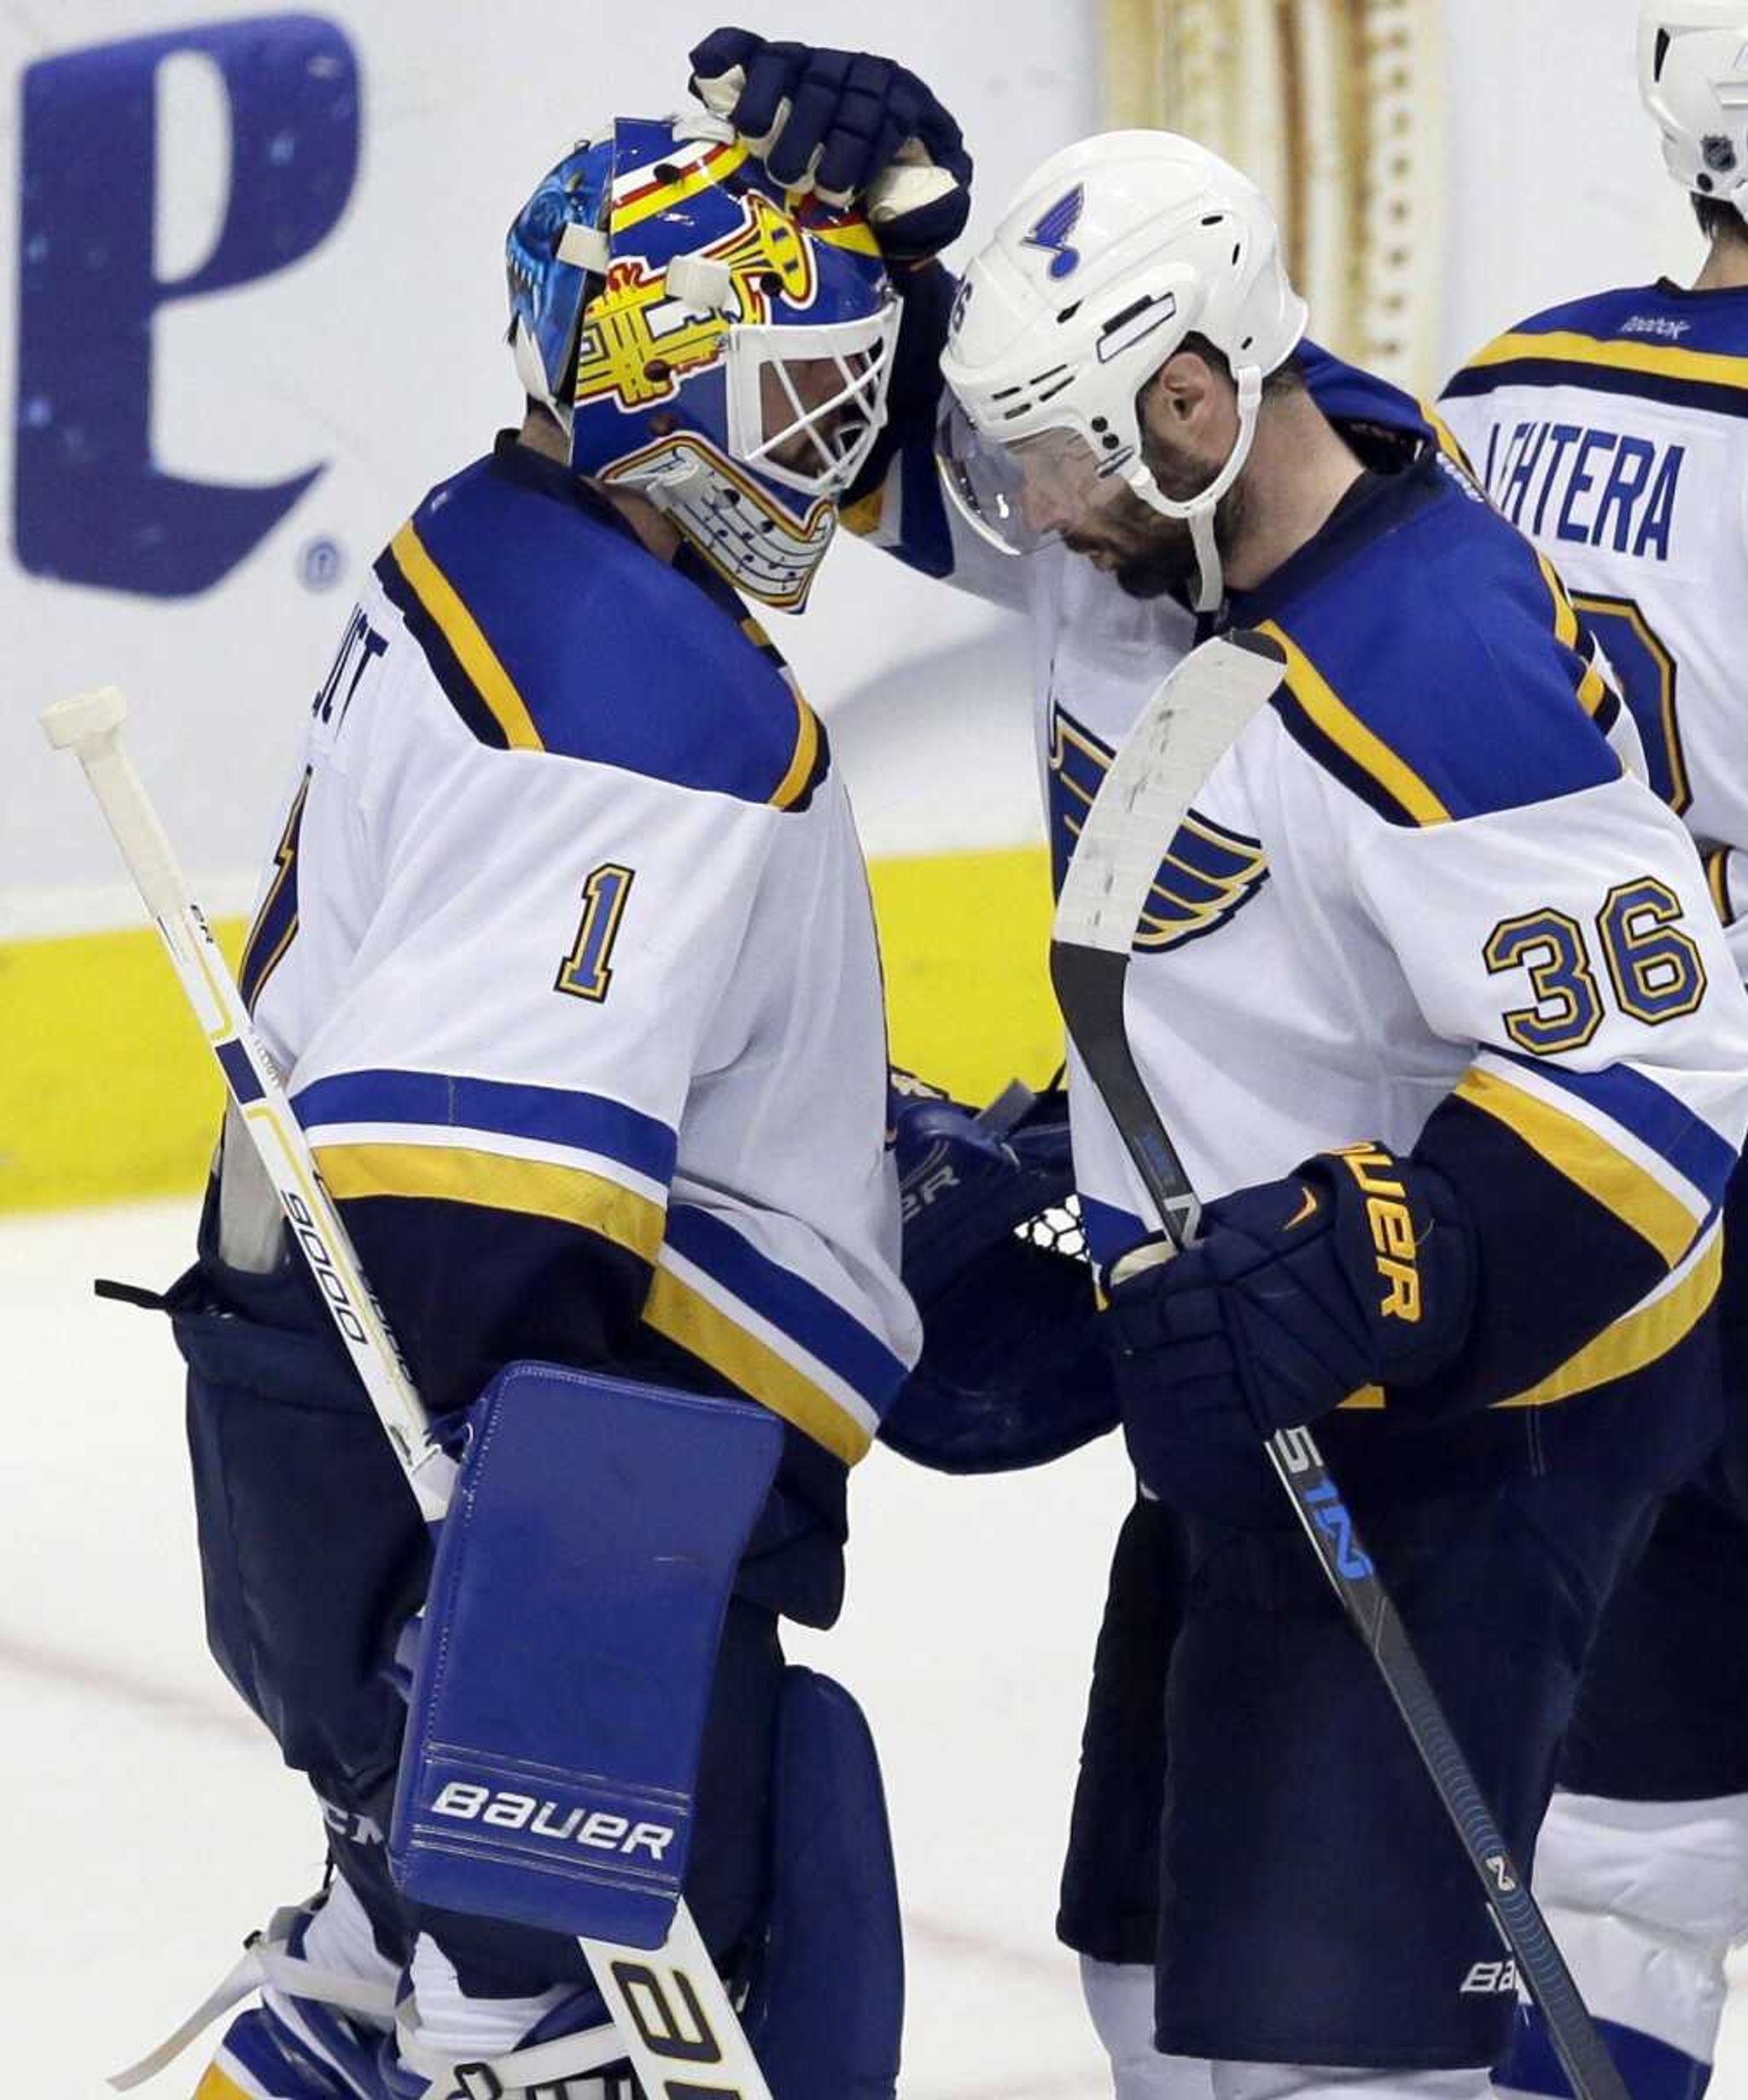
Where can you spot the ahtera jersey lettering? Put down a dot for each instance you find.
(568, 953)
(1614, 432)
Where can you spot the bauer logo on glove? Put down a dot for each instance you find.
(1355, 1272)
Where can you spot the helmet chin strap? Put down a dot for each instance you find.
(1199, 512)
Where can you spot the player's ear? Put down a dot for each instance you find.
(1173, 401)
(1188, 400)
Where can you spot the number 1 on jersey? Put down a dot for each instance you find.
(587, 972)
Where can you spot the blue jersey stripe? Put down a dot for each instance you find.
(1667, 1126)
(549, 1114)
(789, 1301)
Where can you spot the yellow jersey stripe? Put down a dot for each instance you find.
(1633, 1343)
(1343, 728)
(806, 751)
(862, 516)
(855, 235)
(685, 1316)
(1717, 880)
(1567, 346)
(1630, 1345)
(218, 2085)
(1593, 687)
(1447, 437)
(476, 655)
(722, 160)
(1565, 619)
(494, 1181)
(1585, 1157)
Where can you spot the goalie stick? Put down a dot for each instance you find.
(670, 2012)
(1185, 730)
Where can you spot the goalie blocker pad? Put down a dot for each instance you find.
(576, 1605)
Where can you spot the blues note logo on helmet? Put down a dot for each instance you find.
(704, 340)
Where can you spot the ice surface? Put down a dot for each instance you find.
(149, 1826)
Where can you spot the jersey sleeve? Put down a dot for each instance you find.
(494, 1098)
(1569, 947)
(1727, 879)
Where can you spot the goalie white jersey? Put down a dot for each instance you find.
(568, 953)
(1614, 432)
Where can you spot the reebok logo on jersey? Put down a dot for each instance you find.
(596, 1828)
(1656, 324)
(1308, 1209)
(1392, 1226)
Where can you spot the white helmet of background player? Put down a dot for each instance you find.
(1693, 76)
(1115, 252)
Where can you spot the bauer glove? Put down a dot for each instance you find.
(852, 127)
(1357, 1270)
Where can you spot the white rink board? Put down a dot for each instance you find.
(381, 353)
(378, 356)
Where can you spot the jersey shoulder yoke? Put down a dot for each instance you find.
(1657, 341)
(1436, 668)
(550, 628)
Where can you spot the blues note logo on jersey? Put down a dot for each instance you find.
(1208, 874)
(1052, 231)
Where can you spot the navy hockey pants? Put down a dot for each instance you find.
(1313, 1905)
(1664, 1712)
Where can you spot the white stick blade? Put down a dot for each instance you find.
(1185, 731)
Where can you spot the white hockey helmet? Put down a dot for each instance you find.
(1693, 76)
(1115, 251)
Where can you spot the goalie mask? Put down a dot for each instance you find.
(706, 341)
(1116, 251)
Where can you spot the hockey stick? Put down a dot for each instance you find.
(1187, 727)
(670, 2013)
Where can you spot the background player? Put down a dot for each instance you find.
(567, 936)
(1614, 430)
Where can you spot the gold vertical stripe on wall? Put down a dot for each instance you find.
(107, 1089)
(1334, 106)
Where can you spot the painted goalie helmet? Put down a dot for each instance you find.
(1693, 77)
(704, 341)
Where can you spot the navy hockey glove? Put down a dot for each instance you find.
(1013, 1372)
(1357, 1270)
(848, 124)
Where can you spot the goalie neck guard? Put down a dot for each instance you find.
(705, 340)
